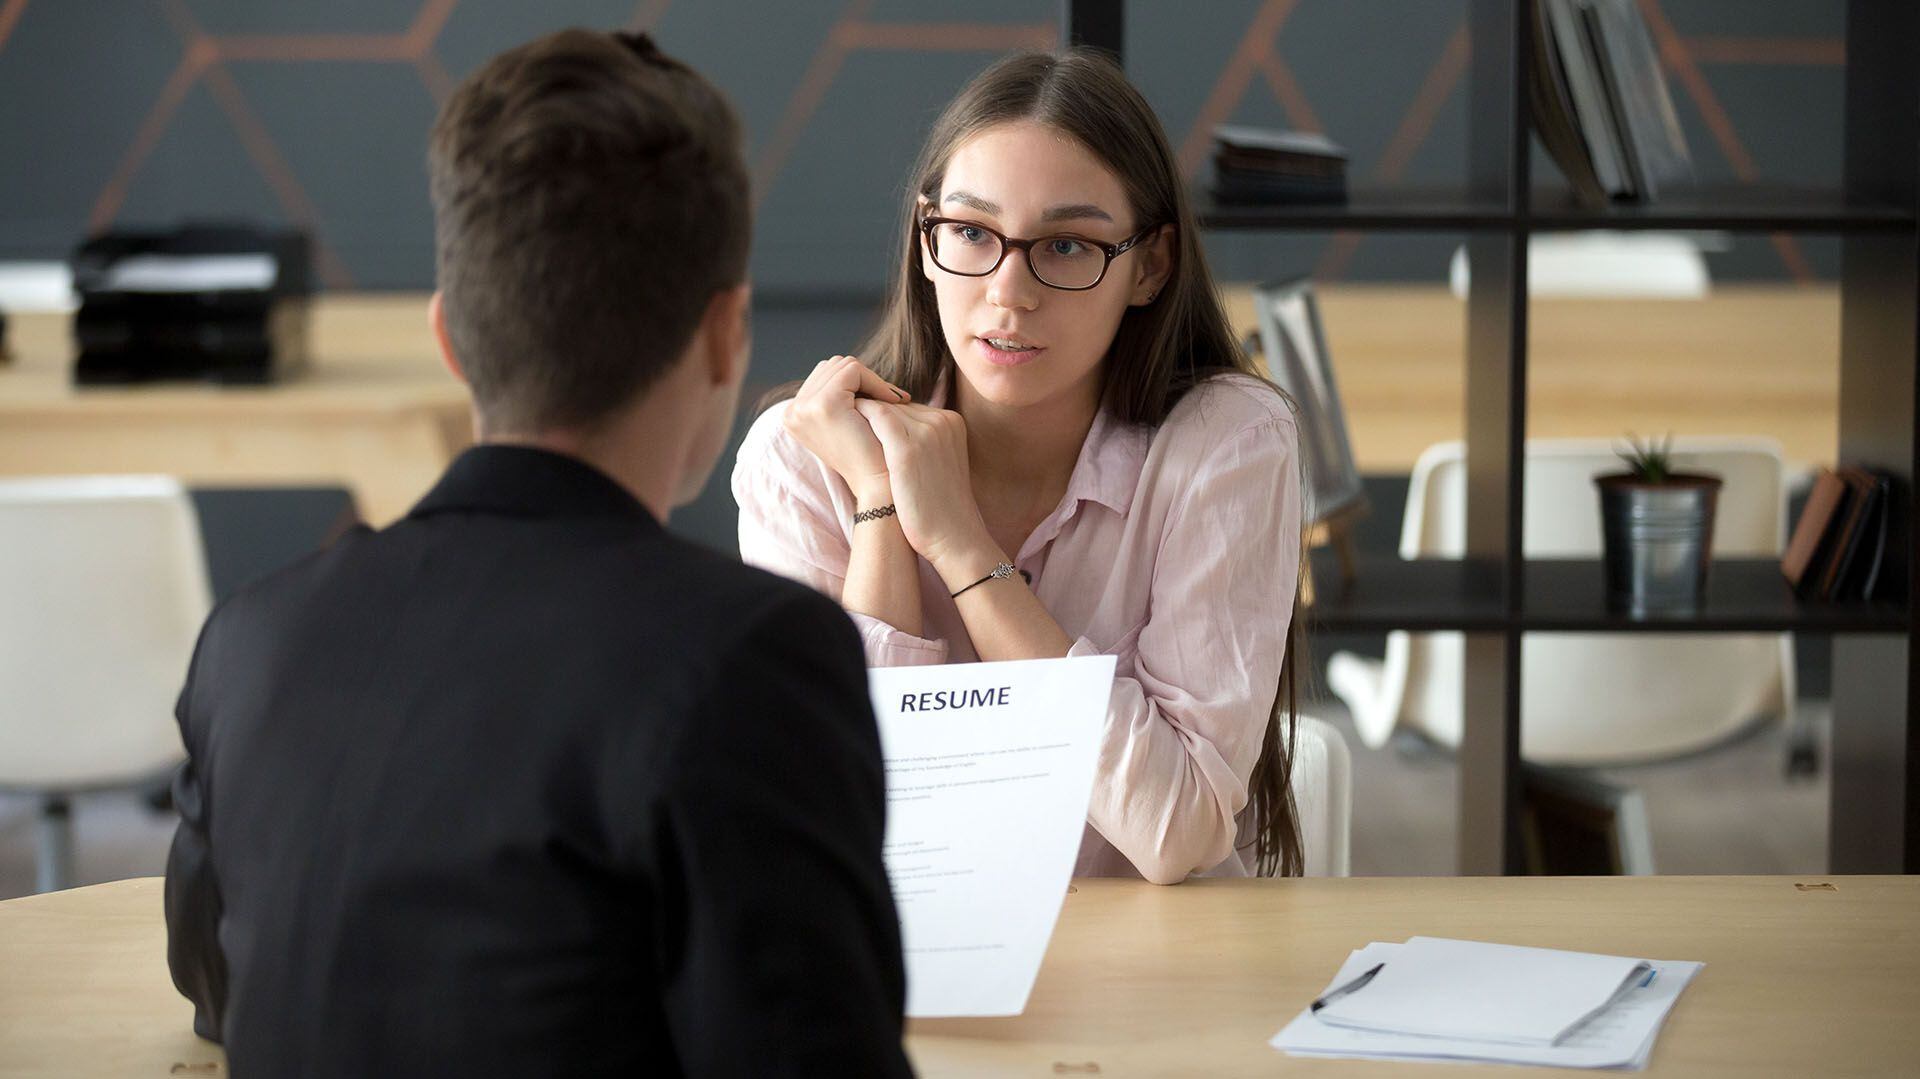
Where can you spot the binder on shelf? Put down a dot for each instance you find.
(1612, 93)
(1593, 116)
(1553, 115)
(1649, 124)
(1601, 105)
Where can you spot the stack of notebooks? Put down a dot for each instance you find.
(1841, 540)
(1432, 999)
(1600, 103)
(1255, 165)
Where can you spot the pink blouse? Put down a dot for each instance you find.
(1174, 549)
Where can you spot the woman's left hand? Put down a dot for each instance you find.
(926, 451)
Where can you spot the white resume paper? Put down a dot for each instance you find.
(989, 771)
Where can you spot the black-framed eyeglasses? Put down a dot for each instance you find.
(1064, 261)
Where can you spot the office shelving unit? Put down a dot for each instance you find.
(1495, 595)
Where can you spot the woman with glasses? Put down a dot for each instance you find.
(1052, 446)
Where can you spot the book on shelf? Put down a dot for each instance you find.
(1592, 114)
(1601, 105)
(1839, 544)
(1254, 165)
(1823, 501)
(1651, 127)
(1553, 114)
(1857, 571)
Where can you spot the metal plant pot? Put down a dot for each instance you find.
(1658, 540)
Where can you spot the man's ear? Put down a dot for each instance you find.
(729, 333)
(437, 319)
(1155, 266)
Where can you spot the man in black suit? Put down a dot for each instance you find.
(523, 785)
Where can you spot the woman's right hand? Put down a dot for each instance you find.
(823, 419)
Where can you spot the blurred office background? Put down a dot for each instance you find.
(151, 112)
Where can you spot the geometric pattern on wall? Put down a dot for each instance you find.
(228, 55)
(1682, 59)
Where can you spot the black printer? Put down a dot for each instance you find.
(203, 302)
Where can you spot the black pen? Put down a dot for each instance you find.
(1351, 987)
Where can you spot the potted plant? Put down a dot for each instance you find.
(1656, 528)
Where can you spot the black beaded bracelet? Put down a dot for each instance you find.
(874, 514)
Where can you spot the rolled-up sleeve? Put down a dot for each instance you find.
(1183, 733)
(791, 509)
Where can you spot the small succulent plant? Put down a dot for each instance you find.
(1650, 461)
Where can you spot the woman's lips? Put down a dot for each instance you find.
(1002, 358)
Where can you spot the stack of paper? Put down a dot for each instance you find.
(1434, 999)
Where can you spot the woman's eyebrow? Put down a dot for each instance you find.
(1076, 212)
(972, 201)
(1079, 211)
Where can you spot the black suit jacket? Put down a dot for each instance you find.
(525, 786)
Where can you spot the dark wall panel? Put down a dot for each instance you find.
(152, 110)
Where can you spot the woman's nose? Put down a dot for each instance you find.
(1012, 284)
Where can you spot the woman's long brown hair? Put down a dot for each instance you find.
(1160, 351)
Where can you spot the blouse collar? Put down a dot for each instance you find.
(1107, 470)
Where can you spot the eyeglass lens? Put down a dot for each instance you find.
(1060, 261)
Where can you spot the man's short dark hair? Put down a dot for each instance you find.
(589, 199)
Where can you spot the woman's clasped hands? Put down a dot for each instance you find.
(889, 449)
(822, 418)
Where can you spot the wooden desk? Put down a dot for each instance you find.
(1745, 360)
(1191, 980)
(375, 411)
(378, 413)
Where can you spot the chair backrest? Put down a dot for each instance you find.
(1605, 698)
(1323, 795)
(106, 588)
(250, 532)
(1563, 511)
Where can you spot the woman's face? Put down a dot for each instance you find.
(1016, 341)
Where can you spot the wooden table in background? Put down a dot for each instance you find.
(1746, 360)
(375, 411)
(378, 413)
(1804, 976)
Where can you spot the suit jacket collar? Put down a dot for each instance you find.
(521, 481)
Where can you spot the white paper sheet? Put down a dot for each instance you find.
(989, 771)
(1485, 992)
(1622, 1036)
(191, 273)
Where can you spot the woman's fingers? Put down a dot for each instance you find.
(872, 385)
(822, 376)
(846, 374)
(888, 421)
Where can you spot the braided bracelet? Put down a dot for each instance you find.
(873, 514)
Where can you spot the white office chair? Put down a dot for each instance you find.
(1323, 795)
(106, 588)
(1586, 699)
(1605, 265)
